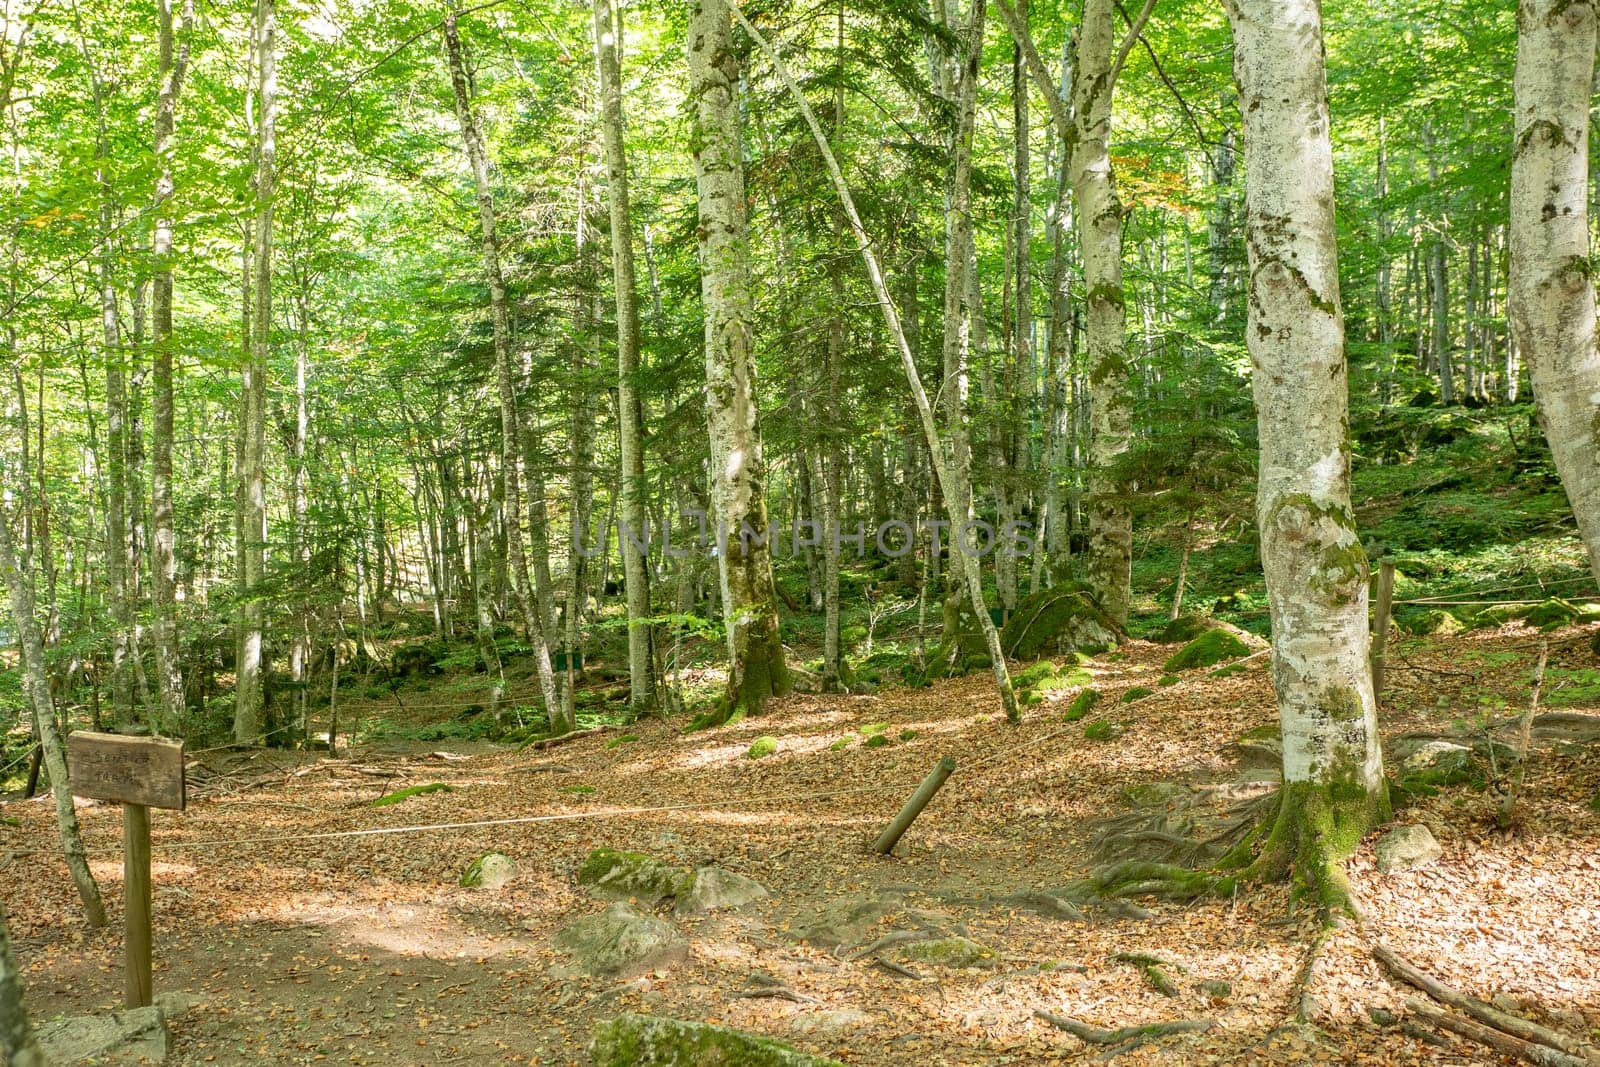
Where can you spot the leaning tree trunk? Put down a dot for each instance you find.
(174, 63)
(20, 586)
(908, 362)
(17, 1040)
(1333, 786)
(1552, 281)
(756, 667)
(643, 686)
(1110, 556)
(510, 428)
(249, 691)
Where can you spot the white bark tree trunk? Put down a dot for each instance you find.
(1552, 299)
(1333, 785)
(644, 687)
(1110, 556)
(19, 584)
(749, 601)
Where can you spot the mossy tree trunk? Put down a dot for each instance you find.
(643, 685)
(756, 668)
(1110, 558)
(1333, 785)
(1552, 299)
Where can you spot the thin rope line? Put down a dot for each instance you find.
(379, 831)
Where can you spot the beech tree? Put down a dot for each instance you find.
(17, 1039)
(1552, 299)
(1333, 786)
(756, 667)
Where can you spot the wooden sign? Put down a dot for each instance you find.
(147, 771)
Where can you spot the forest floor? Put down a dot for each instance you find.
(367, 950)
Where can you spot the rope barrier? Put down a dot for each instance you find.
(1441, 597)
(517, 820)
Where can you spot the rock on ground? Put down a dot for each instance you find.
(657, 1041)
(714, 889)
(1406, 848)
(490, 871)
(621, 941)
(135, 1036)
(618, 875)
(956, 952)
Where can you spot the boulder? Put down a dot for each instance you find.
(621, 941)
(135, 1036)
(1407, 848)
(1261, 746)
(1185, 628)
(1056, 621)
(489, 871)
(1426, 765)
(1430, 623)
(714, 889)
(1551, 614)
(844, 921)
(1218, 643)
(615, 875)
(657, 1041)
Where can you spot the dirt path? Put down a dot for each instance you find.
(366, 950)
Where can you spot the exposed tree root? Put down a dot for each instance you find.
(1131, 1037)
(1151, 967)
(1502, 1023)
(1488, 1036)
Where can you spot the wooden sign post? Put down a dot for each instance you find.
(140, 773)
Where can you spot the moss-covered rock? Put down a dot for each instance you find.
(1184, 628)
(1168, 679)
(1062, 619)
(1100, 730)
(657, 1041)
(631, 875)
(1435, 621)
(1207, 650)
(1081, 705)
(762, 747)
(489, 871)
(876, 741)
(842, 743)
(956, 952)
(1551, 614)
(1154, 794)
(1138, 692)
(1423, 766)
(1032, 675)
(1073, 678)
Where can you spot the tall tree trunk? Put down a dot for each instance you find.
(174, 63)
(1333, 785)
(19, 583)
(1552, 281)
(1219, 226)
(585, 363)
(963, 314)
(510, 428)
(1110, 556)
(250, 692)
(17, 1040)
(828, 451)
(643, 687)
(738, 473)
(1439, 282)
